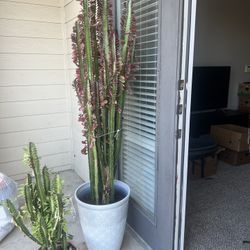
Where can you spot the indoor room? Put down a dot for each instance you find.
(218, 192)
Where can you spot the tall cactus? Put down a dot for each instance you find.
(104, 63)
(44, 205)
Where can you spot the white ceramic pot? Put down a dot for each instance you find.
(103, 225)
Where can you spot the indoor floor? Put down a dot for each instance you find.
(218, 210)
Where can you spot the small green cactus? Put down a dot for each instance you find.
(44, 205)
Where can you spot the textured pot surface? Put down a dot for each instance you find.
(103, 225)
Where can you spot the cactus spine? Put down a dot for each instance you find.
(44, 205)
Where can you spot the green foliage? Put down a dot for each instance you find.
(104, 61)
(44, 205)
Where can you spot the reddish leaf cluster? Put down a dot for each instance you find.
(104, 63)
(111, 73)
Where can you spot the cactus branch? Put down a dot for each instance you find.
(104, 67)
(44, 205)
(19, 222)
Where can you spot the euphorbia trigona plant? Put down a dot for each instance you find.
(104, 61)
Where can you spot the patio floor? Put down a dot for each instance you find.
(16, 239)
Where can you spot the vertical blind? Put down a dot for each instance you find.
(138, 159)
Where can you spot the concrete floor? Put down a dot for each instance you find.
(17, 240)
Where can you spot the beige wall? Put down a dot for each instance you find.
(80, 162)
(34, 100)
(223, 38)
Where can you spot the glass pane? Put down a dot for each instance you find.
(138, 158)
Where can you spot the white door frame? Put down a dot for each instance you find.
(189, 19)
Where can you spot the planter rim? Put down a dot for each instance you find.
(107, 206)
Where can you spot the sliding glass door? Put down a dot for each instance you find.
(150, 122)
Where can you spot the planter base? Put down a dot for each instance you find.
(103, 225)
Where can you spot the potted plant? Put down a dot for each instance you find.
(44, 206)
(104, 63)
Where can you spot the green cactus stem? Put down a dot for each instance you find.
(19, 221)
(44, 205)
(104, 63)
